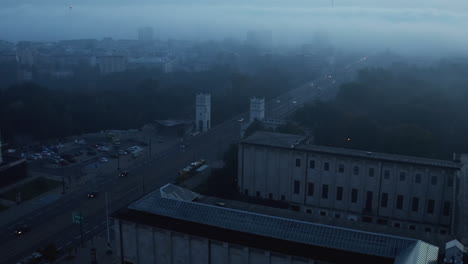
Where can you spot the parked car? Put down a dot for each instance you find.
(103, 160)
(123, 174)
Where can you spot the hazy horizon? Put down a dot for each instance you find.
(419, 27)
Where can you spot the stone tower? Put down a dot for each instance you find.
(257, 109)
(203, 113)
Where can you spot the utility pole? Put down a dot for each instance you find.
(63, 184)
(107, 222)
(81, 229)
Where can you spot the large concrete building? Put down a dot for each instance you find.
(203, 112)
(112, 63)
(424, 198)
(145, 34)
(175, 225)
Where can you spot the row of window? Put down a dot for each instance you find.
(415, 205)
(371, 172)
(380, 221)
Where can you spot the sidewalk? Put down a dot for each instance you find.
(85, 255)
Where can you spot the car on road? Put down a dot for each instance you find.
(122, 152)
(103, 160)
(294, 102)
(92, 195)
(11, 150)
(123, 174)
(241, 119)
(278, 101)
(21, 229)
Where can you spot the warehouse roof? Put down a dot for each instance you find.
(275, 227)
(289, 141)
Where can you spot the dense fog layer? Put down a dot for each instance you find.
(418, 27)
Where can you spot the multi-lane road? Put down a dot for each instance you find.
(53, 223)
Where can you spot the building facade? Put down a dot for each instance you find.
(203, 112)
(418, 195)
(112, 64)
(146, 34)
(174, 225)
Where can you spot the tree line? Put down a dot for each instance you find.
(419, 111)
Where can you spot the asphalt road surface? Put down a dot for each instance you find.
(53, 223)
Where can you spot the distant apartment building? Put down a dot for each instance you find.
(146, 34)
(175, 225)
(259, 38)
(424, 197)
(112, 64)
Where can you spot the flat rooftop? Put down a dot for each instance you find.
(209, 215)
(289, 141)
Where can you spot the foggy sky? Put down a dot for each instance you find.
(425, 27)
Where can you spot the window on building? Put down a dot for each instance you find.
(447, 208)
(326, 166)
(369, 196)
(283, 198)
(339, 193)
(381, 221)
(430, 206)
(323, 213)
(443, 231)
(386, 174)
(434, 180)
(450, 181)
(325, 191)
(246, 192)
(402, 176)
(427, 230)
(399, 202)
(310, 189)
(371, 172)
(412, 227)
(298, 162)
(384, 200)
(270, 196)
(309, 211)
(415, 204)
(356, 170)
(397, 225)
(258, 194)
(297, 186)
(417, 178)
(337, 215)
(341, 168)
(312, 164)
(354, 195)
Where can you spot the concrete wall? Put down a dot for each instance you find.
(267, 172)
(148, 245)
